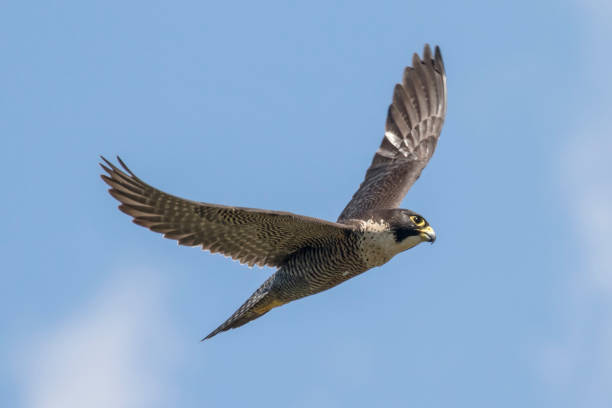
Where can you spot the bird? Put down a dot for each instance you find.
(312, 255)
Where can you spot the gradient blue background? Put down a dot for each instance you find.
(281, 106)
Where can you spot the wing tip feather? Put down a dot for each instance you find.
(439, 62)
(427, 52)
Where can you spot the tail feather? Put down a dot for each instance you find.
(260, 303)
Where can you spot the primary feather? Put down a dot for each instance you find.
(414, 123)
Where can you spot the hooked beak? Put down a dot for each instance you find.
(428, 234)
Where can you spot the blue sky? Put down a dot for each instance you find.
(281, 106)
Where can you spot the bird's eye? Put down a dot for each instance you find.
(418, 221)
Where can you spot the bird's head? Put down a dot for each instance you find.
(407, 227)
(406, 224)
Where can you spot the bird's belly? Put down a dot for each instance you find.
(299, 279)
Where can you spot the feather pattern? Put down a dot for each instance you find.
(414, 123)
(251, 236)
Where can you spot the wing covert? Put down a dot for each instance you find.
(414, 123)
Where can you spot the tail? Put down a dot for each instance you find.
(260, 303)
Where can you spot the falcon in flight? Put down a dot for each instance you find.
(312, 255)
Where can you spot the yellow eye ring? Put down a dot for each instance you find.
(417, 220)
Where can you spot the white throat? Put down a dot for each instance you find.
(378, 244)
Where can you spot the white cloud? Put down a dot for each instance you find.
(107, 355)
(580, 363)
(588, 179)
(587, 159)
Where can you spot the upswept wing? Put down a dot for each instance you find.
(414, 122)
(251, 236)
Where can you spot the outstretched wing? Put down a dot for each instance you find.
(249, 235)
(414, 122)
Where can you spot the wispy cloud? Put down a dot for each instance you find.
(107, 355)
(589, 189)
(582, 360)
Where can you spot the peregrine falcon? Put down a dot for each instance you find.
(312, 255)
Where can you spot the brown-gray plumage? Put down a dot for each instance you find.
(312, 255)
(414, 122)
